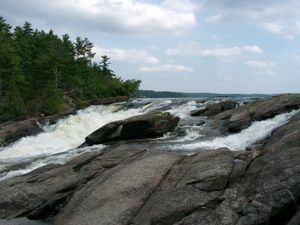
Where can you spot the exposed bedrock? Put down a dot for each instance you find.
(215, 108)
(142, 126)
(130, 185)
(235, 120)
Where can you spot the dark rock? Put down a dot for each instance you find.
(200, 122)
(295, 220)
(198, 112)
(12, 131)
(43, 192)
(215, 108)
(141, 126)
(116, 196)
(22, 221)
(49, 120)
(200, 101)
(268, 190)
(235, 120)
(196, 182)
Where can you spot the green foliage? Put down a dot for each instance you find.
(53, 101)
(13, 103)
(41, 72)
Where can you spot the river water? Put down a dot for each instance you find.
(58, 143)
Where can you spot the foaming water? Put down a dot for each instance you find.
(156, 104)
(66, 134)
(184, 110)
(191, 133)
(59, 142)
(59, 158)
(247, 137)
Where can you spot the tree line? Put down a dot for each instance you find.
(41, 72)
(171, 94)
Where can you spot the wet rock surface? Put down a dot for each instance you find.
(127, 184)
(12, 131)
(235, 120)
(142, 126)
(215, 108)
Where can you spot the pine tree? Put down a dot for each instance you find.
(14, 105)
(53, 101)
(39, 70)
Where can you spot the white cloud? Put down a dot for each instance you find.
(180, 5)
(215, 19)
(106, 15)
(168, 68)
(128, 55)
(252, 49)
(193, 48)
(260, 64)
(272, 26)
(233, 51)
(279, 17)
(262, 67)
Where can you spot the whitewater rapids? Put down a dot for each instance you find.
(58, 143)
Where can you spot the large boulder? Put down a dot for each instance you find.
(142, 126)
(215, 108)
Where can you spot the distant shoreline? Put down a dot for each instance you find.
(171, 94)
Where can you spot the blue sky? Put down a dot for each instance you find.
(229, 46)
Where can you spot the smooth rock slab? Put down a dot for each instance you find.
(115, 197)
(42, 192)
(194, 183)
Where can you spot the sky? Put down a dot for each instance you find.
(220, 46)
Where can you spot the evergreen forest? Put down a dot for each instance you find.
(43, 73)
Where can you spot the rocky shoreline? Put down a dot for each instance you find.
(127, 184)
(11, 131)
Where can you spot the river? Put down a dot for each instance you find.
(59, 142)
